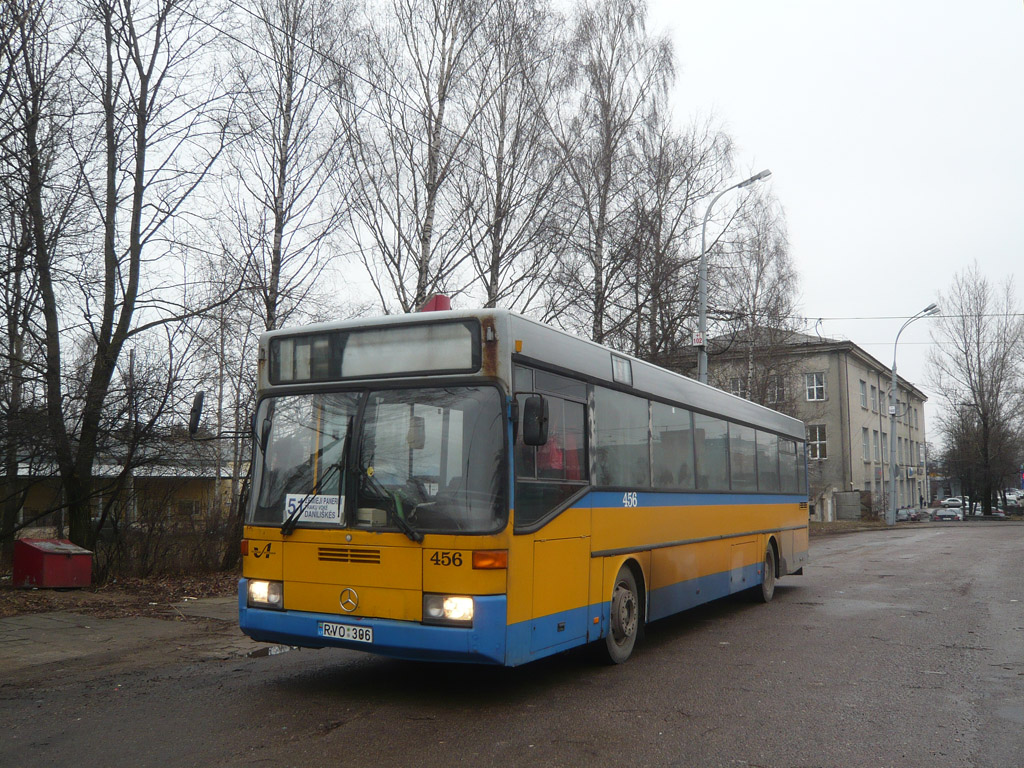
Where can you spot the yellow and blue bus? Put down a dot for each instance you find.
(475, 486)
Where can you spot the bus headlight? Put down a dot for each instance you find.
(266, 594)
(448, 609)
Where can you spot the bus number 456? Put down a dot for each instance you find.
(629, 499)
(446, 558)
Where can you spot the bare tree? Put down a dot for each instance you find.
(757, 291)
(672, 173)
(149, 125)
(976, 368)
(415, 113)
(509, 183)
(618, 71)
(288, 186)
(226, 366)
(38, 209)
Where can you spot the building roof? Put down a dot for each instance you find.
(795, 343)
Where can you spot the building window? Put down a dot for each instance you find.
(874, 399)
(817, 447)
(865, 444)
(863, 394)
(885, 448)
(738, 386)
(775, 392)
(815, 385)
(874, 445)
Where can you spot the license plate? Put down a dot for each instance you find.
(345, 632)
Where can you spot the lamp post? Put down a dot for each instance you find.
(702, 279)
(890, 515)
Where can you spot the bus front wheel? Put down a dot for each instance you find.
(625, 617)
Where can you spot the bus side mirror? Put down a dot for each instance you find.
(264, 436)
(417, 435)
(535, 420)
(197, 413)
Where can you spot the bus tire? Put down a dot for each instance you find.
(766, 591)
(625, 617)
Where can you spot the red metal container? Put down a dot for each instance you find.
(51, 563)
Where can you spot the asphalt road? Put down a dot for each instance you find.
(897, 648)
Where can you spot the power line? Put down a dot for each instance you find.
(903, 317)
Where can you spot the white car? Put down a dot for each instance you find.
(952, 501)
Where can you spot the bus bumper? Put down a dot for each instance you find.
(483, 643)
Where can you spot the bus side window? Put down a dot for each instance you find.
(621, 439)
(548, 475)
(562, 456)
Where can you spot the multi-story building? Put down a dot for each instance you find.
(842, 394)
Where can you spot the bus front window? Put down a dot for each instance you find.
(300, 464)
(433, 458)
(424, 461)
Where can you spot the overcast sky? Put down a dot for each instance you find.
(894, 130)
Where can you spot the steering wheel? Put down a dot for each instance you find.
(419, 487)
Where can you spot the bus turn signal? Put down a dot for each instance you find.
(490, 559)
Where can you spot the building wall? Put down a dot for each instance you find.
(826, 476)
(174, 497)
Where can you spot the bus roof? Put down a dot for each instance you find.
(561, 351)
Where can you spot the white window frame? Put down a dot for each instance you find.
(817, 442)
(814, 386)
(863, 394)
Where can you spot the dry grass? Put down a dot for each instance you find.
(124, 597)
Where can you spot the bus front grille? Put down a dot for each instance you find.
(350, 555)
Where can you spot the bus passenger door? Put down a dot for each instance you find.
(560, 574)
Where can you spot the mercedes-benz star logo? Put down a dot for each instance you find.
(349, 599)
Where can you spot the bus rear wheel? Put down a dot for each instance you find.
(626, 614)
(766, 591)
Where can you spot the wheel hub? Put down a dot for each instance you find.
(624, 613)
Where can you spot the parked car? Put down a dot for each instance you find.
(952, 501)
(907, 515)
(947, 513)
(995, 511)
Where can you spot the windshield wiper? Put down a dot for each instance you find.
(337, 468)
(402, 523)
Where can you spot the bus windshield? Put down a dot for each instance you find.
(420, 461)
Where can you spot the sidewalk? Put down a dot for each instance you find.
(41, 645)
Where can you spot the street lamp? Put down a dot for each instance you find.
(890, 515)
(702, 279)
